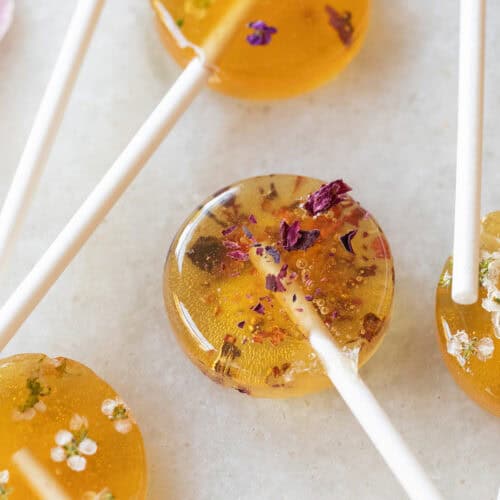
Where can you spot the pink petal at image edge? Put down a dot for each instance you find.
(6, 15)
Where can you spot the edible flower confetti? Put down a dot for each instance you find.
(262, 34)
(326, 197)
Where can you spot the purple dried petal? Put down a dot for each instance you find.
(259, 308)
(274, 284)
(228, 230)
(232, 245)
(346, 240)
(342, 24)
(283, 270)
(238, 255)
(293, 238)
(271, 282)
(308, 298)
(247, 232)
(326, 197)
(252, 219)
(262, 35)
(259, 251)
(274, 254)
(241, 324)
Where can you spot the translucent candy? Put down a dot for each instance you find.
(293, 47)
(469, 336)
(74, 424)
(225, 313)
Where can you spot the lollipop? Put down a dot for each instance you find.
(59, 417)
(228, 317)
(285, 49)
(278, 285)
(469, 335)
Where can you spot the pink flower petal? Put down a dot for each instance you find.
(6, 15)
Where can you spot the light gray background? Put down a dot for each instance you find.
(387, 125)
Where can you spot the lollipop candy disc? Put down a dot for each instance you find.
(74, 424)
(285, 48)
(469, 336)
(225, 313)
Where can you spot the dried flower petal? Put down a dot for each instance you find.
(231, 245)
(259, 308)
(346, 240)
(274, 254)
(247, 232)
(228, 230)
(241, 324)
(238, 255)
(342, 24)
(262, 35)
(293, 238)
(252, 219)
(274, 284)
(283, 271)
(259, 251)
(206, 253)
(326, 197)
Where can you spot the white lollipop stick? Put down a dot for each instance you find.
(100, 201)
(342, 371)
(469, 152)
(47, 121)
(40, 480)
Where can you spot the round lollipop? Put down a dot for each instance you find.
(65, 433)
(469, 335)
(279, 284)
(226, 312)
(286, 47)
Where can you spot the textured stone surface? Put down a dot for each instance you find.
(387, 125)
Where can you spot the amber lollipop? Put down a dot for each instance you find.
(469, 335)
(279, 286)
(64, 429)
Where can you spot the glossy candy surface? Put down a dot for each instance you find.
(469, 336)
(284, 47)
(74, 424)
(225, 313)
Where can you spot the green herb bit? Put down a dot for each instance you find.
(483, 269)
(180, 22)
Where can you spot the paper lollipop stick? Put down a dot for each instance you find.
(41, 482)
(100, 201)
(47, 121)
(342, 371)
(469, 152)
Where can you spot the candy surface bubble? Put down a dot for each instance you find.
(282, 49)
(225, 313)
(469, 336)
(73, 424)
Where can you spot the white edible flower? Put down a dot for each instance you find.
(72, 445)
(87, 447)
(4, 476)
(485, 348)
(77, 463)
(460, 346)
(27, 414)
(117, 411)
(78, 422)
(63, 438)
(58, 454)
